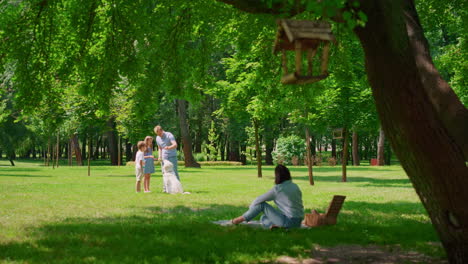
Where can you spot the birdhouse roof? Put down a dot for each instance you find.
(306, 29)
(309, 32)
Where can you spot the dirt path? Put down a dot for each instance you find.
(359, 254)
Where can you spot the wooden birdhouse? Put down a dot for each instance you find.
(303, 36)
(338, 133)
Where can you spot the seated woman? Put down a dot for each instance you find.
(286, 195)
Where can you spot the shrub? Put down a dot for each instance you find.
(199, 156)
(289, 149)
(220, 163)
(331, 161)
(318, 160)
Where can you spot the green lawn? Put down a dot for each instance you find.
(63, 216)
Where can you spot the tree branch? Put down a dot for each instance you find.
(261, 7)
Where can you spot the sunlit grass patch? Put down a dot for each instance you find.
(63, 215)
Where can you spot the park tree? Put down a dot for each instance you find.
(423, 118)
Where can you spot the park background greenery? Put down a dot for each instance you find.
(103, 73)
(99, 71)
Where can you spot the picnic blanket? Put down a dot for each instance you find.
(254, 224)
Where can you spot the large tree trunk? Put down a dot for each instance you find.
(258, 150)
(186, 139)
(310, 160)
(381, 148)
(355, 149)
(449, 108)
(429, 152)
(112, 142)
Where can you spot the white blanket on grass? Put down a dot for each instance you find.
(255, 224)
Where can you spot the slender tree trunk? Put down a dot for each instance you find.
(119, 148)
(199, 132)
(97, 149)
(432, 156)
(313, 145)
(381, 149)
(257, 149)
(310, 160)
(48, 152)
(44, 155)
(269, 145)
(234, 153)
(112, 142)
(58, 148)
(76, 148)
(90, 150)
(333, 147)
(52, 159)
(222, 147)
(83, 147)
(34, 151)
(388, 153)
(344, 155)
(128, 151)
(186, 139)
(243, 157)
(70, 152)
(356, 161)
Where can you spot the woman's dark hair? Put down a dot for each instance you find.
(282, 174)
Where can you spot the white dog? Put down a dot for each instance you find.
(171, 183)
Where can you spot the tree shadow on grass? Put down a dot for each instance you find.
(184, 234)
(22, 175)
(349, 168)
(15, 169)
(366, 181)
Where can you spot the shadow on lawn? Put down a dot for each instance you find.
(348, 168)
(183, 234)
(22, 175)
(367, 181)
(14, 169)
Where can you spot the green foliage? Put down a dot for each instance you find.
(444, 23)
(287, 148)
(73, 66)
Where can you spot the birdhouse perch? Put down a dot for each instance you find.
(303, 36)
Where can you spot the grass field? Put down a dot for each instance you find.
(63, 216)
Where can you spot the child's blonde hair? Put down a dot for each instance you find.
(148, 144)
(141, 144)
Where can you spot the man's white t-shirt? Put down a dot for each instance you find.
(138, 158)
